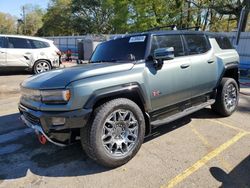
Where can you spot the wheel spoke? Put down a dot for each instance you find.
(120, 132)
(42, 67)
(126, 116)
(230, 97)
(120, 147)
(120, 116)
(105, 136)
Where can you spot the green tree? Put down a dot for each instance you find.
(146, 14)
(232, 8)
(220, 15)
(58, 19)
(119, 19)
(32, 19)
(7, 24)
(92, 16)
(68, 17)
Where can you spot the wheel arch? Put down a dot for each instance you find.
(42, 59)
(230, 71)
(131, 91)
(47, 60)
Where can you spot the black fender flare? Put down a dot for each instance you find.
(114, 91)
(229, 66)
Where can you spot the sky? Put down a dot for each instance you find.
(13, 7)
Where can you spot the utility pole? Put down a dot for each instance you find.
(24, 21)
(241, 24)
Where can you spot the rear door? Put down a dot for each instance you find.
(202, 61)
(2, 52)
(19, 52)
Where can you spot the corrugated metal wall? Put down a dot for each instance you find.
(71, 42)
(243, 48)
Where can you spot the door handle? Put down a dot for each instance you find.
(27, 53)
(2, 52)
(27, 58)
(210, 61)
(184, 66)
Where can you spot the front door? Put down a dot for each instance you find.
(19, 52)
(173, 82)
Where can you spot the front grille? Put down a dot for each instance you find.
(32, 119)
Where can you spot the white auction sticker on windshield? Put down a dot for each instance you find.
(137, 39)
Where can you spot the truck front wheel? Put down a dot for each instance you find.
(115, 133)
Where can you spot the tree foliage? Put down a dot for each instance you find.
(232, 8)
(79, 17)
(7, 23)
(58, 19)
(92, 16)
(33, 20)
(148, 14)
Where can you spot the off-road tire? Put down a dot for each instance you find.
(91, 134)
(220, 105)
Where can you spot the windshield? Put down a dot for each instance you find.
(122, 49)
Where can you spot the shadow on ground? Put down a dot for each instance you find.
(246, 107)
(238, 177)
(23, 152)
(14, 72)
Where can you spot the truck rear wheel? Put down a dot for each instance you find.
(227, 97)
(115, 133)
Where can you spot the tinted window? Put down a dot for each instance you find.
(197, 44)
(224, 42)
(38, 44)
(122, 49)
(2, 42)
(165, 41)
(18, 43)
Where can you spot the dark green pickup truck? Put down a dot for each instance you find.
(131, 84)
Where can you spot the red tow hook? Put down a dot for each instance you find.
(42, 139)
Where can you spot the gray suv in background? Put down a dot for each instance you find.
(131, 85)
(28, 53)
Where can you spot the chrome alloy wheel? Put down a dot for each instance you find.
(42, 66)
(120, 132)
(231, 97)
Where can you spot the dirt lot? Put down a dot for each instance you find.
(201, 150)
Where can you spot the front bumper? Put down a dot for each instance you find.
(60, 135)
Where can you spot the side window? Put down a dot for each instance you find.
(38, 44)
(197, 44)
(2, 42)
(165, 41)
(18, 43)
(224, 42)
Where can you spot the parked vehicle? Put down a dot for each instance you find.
(131, 85)
(27, 53)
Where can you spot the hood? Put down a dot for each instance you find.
(62, 77)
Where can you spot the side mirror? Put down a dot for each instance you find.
(164, 53)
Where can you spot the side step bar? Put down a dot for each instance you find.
(181, 114)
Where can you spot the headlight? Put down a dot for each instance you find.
(30, 94)
(55, 96)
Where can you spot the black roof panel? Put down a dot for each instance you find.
(171, 32)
